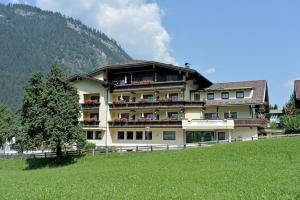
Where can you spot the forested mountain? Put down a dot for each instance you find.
(32, 40)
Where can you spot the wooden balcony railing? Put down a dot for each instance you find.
(90, 104)
(146, 123)
(249, 123)
(155, 104)
(150, 85)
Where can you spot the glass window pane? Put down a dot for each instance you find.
(129, 135)
(169, 135)
(240, 94)
(89, 135)
(225, 95)
(98, 135)
(210, 96)
(148, 135)
(139, 135)
(121, 135)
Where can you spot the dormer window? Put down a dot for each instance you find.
(210, 96)
(240, 94)
(225, 95)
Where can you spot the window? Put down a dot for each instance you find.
(196, 97)
(121, 135)
(210, 96)
(148, 135)
(95, 98)
(125, 115)
(225, 95)
(98, 135)
(240, 94)
(129, 135)
(148, 97)
(149, 116)
(211, 116)
(169, 135)
(172, 77)
(174, 96)
(221, 136)
(230, 115)
(89, 135)
(124, 98)
(139, 135)
(173, 115)
(94, 116)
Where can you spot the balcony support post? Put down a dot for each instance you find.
(229, 135)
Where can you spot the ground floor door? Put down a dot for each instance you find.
(199, 136)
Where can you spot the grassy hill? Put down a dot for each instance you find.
(32, 39)
(265, 169)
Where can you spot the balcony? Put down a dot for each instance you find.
(162, 104)
(203, 124)
(90, 105)
(90, 122)
(149, 86)
(249, 123)
(169, 123)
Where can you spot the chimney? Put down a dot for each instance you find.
(187, 65)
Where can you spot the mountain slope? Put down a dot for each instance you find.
(32, 39)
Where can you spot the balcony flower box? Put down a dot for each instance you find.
(90, 120)
(91, 102)
(166, 100)
(119, 102)
(120, 120)
(169, 118)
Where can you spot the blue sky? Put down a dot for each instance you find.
(230, 40)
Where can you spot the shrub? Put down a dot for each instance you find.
(89, 145)
(292, 124)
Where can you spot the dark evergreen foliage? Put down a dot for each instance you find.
(50, 113)
(32, 39)
(8, 124)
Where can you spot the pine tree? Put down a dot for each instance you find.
(33, 113)
(63, 111)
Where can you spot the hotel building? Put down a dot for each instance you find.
(146, 102)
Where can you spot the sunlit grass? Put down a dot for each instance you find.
(267, 169)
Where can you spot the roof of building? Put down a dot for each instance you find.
(80, 77)
(259, 87)
(297, 89)
(143, 63)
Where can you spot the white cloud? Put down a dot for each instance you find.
(15, 1)
(290, 83)
(210, 71)
(135, 24)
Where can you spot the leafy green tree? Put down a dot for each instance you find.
(50, 113)
(290, 107)
(8, 124)
(63, 111)
(292, 124)
(33, 113)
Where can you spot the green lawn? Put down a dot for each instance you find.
(265, 169)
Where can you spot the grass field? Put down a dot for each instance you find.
(265, 169)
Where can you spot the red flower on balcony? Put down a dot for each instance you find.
(166, 99)
(120, 120)
(90, 119)
(91, 101)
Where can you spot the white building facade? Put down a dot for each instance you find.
(145, 102)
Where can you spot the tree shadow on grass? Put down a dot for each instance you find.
(38, 163)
